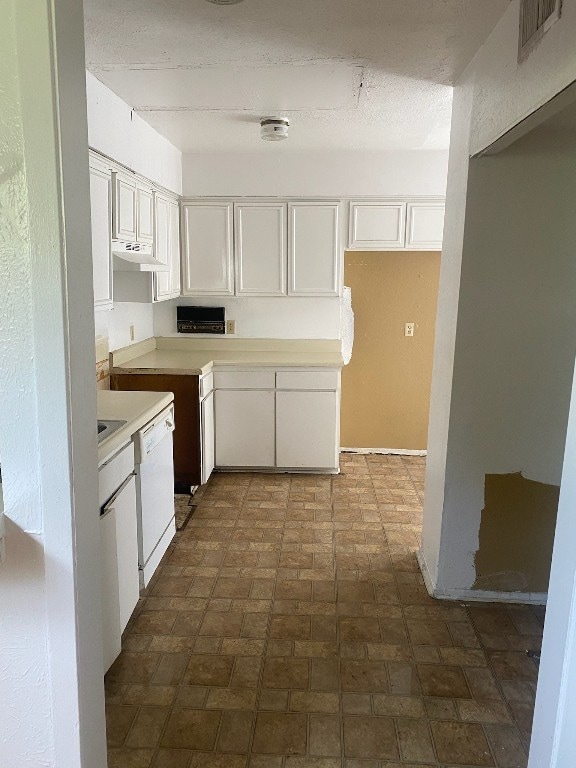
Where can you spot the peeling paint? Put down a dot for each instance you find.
(516, 534)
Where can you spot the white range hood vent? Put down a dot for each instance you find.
(135, 257)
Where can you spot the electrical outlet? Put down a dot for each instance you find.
(230, 326)
(132, 333)
(409, 329)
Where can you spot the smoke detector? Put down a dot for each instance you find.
(274, 128)
(225, 2)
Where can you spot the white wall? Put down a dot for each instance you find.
(493, 95)
(51, 681)
(117, 132)
(260, 318)
(288, 173)
(115, 324)
(478, 117)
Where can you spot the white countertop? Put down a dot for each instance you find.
(135, 408)
(196, 357)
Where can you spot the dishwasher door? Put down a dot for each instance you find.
(155, 486)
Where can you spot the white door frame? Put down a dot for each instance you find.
(50, 636)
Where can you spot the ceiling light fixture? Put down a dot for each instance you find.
(225, 2)
(274, 128)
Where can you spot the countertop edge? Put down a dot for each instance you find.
(124, 435)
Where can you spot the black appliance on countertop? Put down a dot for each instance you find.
(201, 320)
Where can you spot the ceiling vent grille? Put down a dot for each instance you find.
(536, 18)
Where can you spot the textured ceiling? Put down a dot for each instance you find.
(217, 69)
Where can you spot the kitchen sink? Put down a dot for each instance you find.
(107, 428)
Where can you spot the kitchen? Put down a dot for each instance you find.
(397, 179)
(240, 402)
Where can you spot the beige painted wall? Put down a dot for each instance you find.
(386, 386)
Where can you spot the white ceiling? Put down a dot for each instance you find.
(353, 74)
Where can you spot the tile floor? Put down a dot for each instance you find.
(288, 627)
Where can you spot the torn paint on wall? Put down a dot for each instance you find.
(516, 534)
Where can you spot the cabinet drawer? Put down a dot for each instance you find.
(307, 380)
(206, 385)
(113, 472)
(244, 380)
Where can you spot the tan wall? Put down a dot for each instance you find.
(386, 386)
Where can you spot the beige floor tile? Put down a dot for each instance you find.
(364, 676)
(208, 670)
(235, 732)
(291, 627)
(324, 735)
(119, 720)
(129, 758)
(286, 673)
(414, 739)
(314, 701)
(280, 734)
(172, 758)
(437, 680)
(191, 729)
(147, 727)
(370, 737)
(461, 743)
(221, 624)
(292, 610)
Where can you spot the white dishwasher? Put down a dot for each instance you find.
(154, 492)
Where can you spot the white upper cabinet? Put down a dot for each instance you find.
(162, 280)
(377, 225)
(425, 226)
(144, 214)
(175, 248)
(101, 215)
(260, 248)
(124, 196)
(207, 240)
(314, 249)
(166, 247)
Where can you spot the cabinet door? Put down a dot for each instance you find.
(207, 436)
(244, 428)
(377, 226)
(109, 590)
(314, 249)
(425, 226)
(124, 207)
(207, 242)
(307, 430)
(144, 215)
(175, 248)
(101, 212)
(124, 504)
(260, 248)
(162, 250)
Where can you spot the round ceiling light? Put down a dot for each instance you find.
(274, 128)
(225, 2)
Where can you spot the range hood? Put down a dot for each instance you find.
(135, 257)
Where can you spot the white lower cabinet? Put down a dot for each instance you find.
(245, 428)
(306, 429)
(119, 559)
(207, 437)
(283, 419)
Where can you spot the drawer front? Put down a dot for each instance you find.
(206, 385)
(112, 474)
(244, 380)
(326, 380)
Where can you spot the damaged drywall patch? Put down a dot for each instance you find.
(516, 534)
